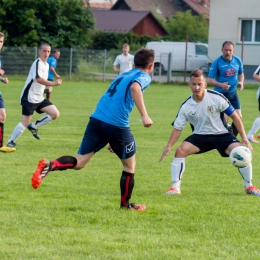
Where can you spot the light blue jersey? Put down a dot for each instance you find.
(226, 71)
(52, 61)
(117, 103)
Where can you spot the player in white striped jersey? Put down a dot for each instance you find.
(205, 110)
(32, 98)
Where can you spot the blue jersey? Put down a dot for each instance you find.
(226, 71)
(52, 61)
(116, 104)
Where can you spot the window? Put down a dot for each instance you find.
(250, 30)
(201, 50)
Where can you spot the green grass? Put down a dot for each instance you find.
(75, 214)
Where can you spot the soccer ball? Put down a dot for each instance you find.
(240, 156)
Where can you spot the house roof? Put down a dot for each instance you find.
(199, 6)
(120, 21)
(104, 6)
(164, 8)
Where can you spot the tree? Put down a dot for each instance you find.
(61, 23)
(184, 23)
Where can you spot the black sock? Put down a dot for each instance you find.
(1, 134)
(48, 94)
(63, 163)
(127, 183)
(235, 132)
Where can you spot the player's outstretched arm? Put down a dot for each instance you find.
(49, 83)
(139, 102)
(173, 139)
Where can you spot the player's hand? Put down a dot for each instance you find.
(58, 82)
(4, 80)
(58, 76)
(2, 72)
(240, 85)
(166, 151)
(247, 143)
(225, 85)
(110, 149)
(147, 121)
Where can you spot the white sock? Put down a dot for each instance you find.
(18, 130)
(45, 119)
(255, 127)
(246, 174)
(177, 169)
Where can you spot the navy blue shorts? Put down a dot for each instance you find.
(209, 142)
(98, 134)
(29, 108)
(2, 104)
(233, 98)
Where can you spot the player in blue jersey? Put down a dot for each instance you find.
(226, 72)
(4, 80)
(204, 110)
(109, 124)
(52, 61)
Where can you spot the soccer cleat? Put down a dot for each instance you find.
(135, 207)
(258, 136)
(6, 149)
(34, 131)
(11, 144)
(253, 191)
(172, 191)
(252, 139)
(40, 173)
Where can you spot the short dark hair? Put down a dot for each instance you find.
(44, 44)
(197, 73)
(227, 42)
(55, 50)
(143, 58)
(2, 35)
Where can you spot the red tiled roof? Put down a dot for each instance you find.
(103, 6)
(198, 7)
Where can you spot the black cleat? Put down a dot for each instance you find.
(34, 131)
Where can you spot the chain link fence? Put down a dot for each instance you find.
(87, 64)
(74, 64)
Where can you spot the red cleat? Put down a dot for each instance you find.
(40, 173)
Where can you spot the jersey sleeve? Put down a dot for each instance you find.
(181, 119)
(257, 72)
(225, 106)
(40, 70)
(144, 81)
(52, 63)
(240, 69)
(213, 71)
(116, 62)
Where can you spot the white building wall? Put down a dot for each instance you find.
(224, 25)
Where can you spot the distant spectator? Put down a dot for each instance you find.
(124, 60)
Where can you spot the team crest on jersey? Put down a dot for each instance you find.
(130, 147)
(210, 109)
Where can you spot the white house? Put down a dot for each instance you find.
(237, 21)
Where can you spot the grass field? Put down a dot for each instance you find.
(75, 214)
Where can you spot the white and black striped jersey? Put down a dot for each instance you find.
(32, 90)
(205, 117)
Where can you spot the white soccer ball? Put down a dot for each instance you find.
(240, 156)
